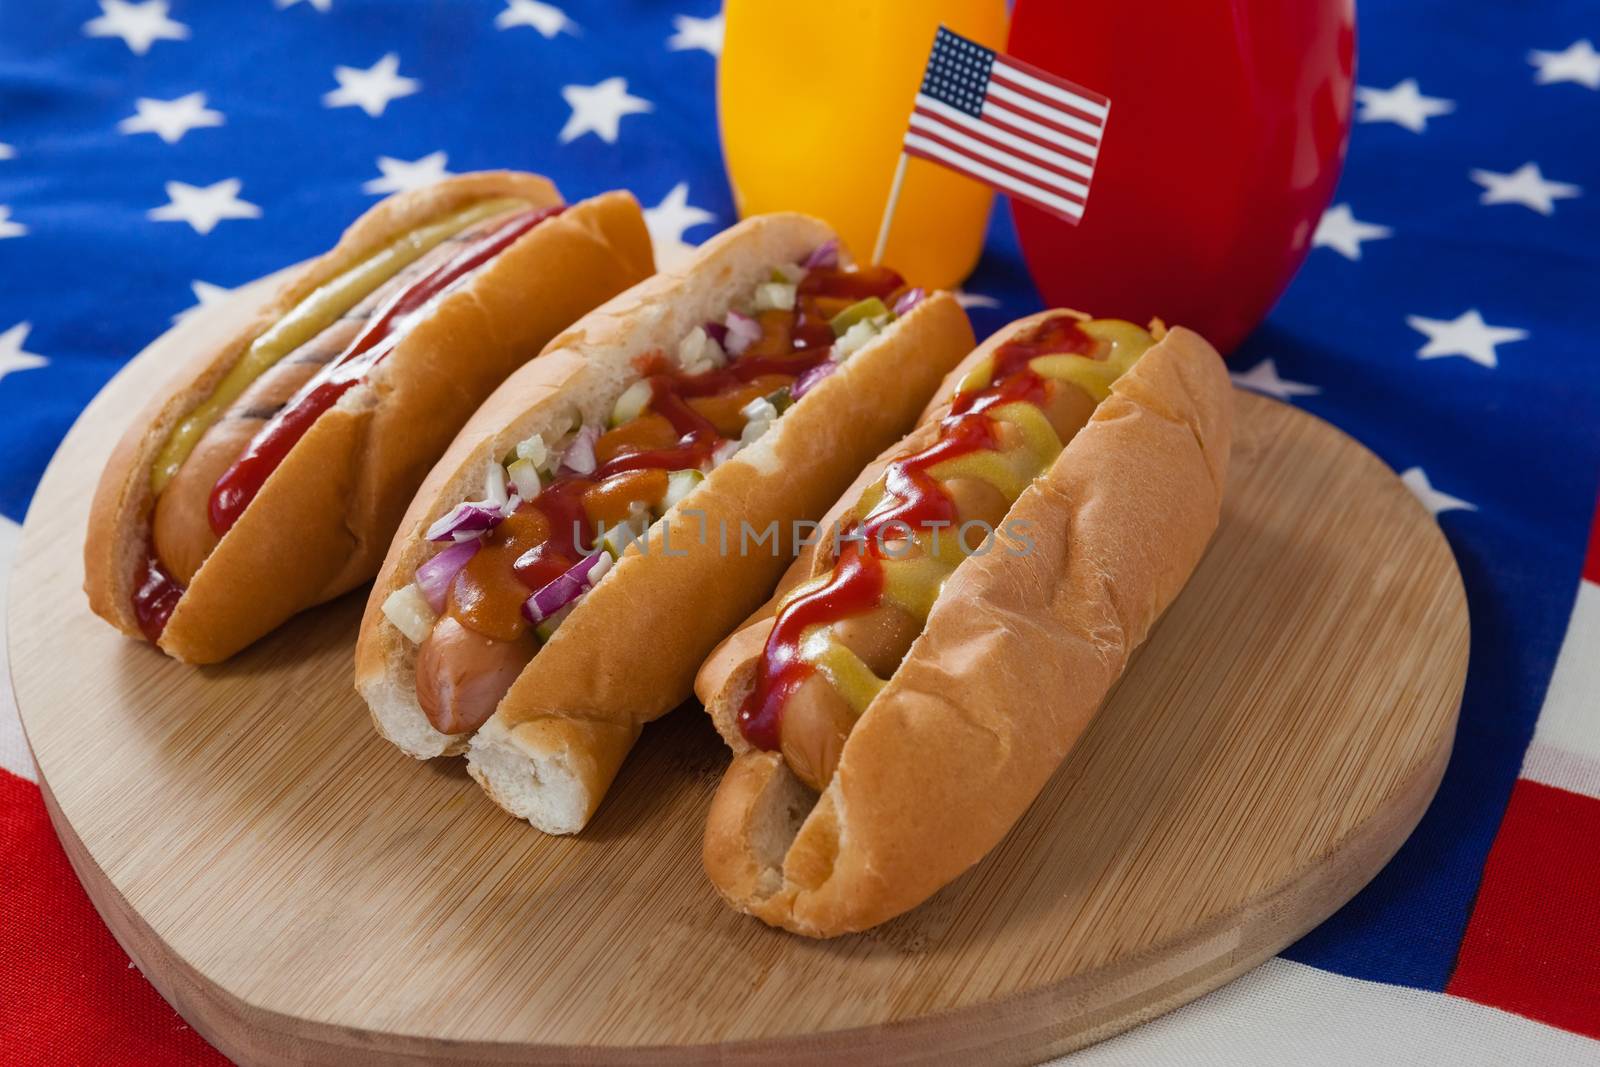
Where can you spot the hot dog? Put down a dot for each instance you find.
(273, 473)
(723, 400)
(927, 664)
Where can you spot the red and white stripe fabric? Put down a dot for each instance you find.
(1533, 943)
(1019, 128)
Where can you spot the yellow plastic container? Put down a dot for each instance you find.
(813, 98)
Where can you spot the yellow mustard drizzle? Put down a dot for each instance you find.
(315, 313)
(844, 670)
(1036, 429)
(914, 582)
(1096, 376)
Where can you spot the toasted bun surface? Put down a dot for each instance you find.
(323, 518)
(628, 653)
(1016, 658)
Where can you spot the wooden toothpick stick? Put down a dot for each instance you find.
(888, 210)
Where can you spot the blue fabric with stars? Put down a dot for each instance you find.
(1440, 319)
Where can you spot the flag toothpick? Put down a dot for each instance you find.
(1018, 128)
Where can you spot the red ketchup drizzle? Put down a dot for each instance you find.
(697, 438)
(807, 339)
(913, 497)
(155, 598)
(855, 585)
(570, 531)
(239, 485)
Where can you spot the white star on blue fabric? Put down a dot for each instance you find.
(668, 221)
(599, 109)
(1578, 62)
(1465, 335)
(9, 227)
(12, 356)
(202, 207)
(548, 19)
(140, 25)
(205, 295)
(1264, 378)
(320, 5)
(690, 32)
(1341, 231)
(399, 175)
(1416, 480)
(372, 89)
(1526, 186)
(1403, 105)
(7, 152)
(975, 300)
(170, 119)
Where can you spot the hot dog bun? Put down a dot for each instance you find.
(628, 652)
(323, 518)
(1016, 658)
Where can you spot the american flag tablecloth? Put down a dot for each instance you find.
(153, 155)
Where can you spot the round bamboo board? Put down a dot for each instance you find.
(301, 891)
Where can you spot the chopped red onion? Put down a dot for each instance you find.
(741, 332)
(908, 300)
(435, 575)
(466, 521)
(810, 378)
(718, 333)
(560, 592)
(579, 456)
(825, 255)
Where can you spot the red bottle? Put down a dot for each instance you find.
(1227, 130)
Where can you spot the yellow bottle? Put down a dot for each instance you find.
(813, 97)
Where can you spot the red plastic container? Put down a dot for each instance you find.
(1227, 130)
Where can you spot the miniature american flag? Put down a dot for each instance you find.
(1008, 124)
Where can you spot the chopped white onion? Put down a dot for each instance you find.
(759, 410)
(495, 493)
(774, 296)
(408, 610)
(631, 404)
(698, 353)
(679, 485)
(524, 477)
(533, 450)
(790, 273)
(853, 341)
(753, 431)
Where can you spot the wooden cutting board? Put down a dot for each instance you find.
(301, 891)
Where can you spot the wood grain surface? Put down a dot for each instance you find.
(302, 892)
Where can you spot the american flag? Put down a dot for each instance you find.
(1009, 124)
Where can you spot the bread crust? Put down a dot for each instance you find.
(320, 523)
(1119, 522)
(577, 708)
